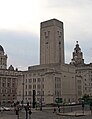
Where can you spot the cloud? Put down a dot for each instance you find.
(22, 48)
(77, 18)
(68, 3)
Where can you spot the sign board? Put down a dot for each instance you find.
(58, 100)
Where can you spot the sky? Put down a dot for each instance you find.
(20, 28)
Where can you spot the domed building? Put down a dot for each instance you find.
(3, 59)
(8, 80)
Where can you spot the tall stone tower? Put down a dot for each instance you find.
(77, 56)
(51, 42)
(3, 59)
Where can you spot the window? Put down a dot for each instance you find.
(38, 99)
(30, 80)
(9, 91)
(26, 80)
(13, 91)
(26, 86)
(34, 74)
(43, 86)
(3, 84)
(42, 99)
(30, 86)
(79, 81)
(38, 80)
(30, 74)
(38, 86)
(42, 92)
(79, 87)
(29, 93)
(34, 80)
(34, 86)
(26, 93)
(38, 93)
(42, 79)
(13, 85)
(8, 84)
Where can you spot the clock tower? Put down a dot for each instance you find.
(77, 56)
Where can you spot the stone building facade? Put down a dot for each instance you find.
(3, 58)
(49, 82)
(52, 42)
(52, 78)
(8, 81)
(83, 73)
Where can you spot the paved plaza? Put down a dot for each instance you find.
(46, 114)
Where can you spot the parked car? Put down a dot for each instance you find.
(1, 109)
(6, 108)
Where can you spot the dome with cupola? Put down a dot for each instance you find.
(1, 48)
(11, 68)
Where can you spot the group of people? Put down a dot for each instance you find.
(57, 110)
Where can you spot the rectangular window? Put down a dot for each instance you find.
(3, 84)
(26, 86)
(34, 86)
(43, 86)
(30, 86)
(13, 85)
(29, 93)
(26, 93)
(26, 80)
(38, 80)
(34, 80)
(38, 93)
(30, 80)
(38, 86)
(42, 79)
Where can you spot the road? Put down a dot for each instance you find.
(39, 115)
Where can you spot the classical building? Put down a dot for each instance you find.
(3, 59)
(83, 73)
(8, 81)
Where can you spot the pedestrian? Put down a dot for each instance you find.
(91, 107)
(59, 109)
(83, 107)
(54, 110)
